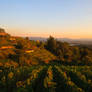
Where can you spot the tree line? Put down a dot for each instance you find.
(67, 54)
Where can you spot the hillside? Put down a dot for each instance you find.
(43, 66)
(23, 51)
(41, 56)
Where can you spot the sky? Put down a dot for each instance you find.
(59, 18)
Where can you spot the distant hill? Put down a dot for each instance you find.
(38, 38)
(70, 41)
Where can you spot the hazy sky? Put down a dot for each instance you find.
(60, 18)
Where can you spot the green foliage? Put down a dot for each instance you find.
(23, 43)
(51, 44)
(46, 78)
(69, 55)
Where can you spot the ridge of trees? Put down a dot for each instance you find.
(71, 55)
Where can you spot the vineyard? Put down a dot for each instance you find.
(46, 78)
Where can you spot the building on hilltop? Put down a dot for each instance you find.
(6, 47)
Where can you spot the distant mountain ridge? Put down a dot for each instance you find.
(71, 41)
(38, 38)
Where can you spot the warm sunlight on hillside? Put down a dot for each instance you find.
(45, 45)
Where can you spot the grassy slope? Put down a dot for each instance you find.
(41, 55)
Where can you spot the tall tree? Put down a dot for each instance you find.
(51, 44)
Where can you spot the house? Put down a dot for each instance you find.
(6, 47)
(29, 51)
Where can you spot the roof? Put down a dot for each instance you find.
(7, 47)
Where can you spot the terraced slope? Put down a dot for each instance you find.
(46, 78)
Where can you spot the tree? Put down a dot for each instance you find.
(2, 30)
(23, 44)
(51, 44)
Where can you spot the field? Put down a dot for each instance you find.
(46, 78)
